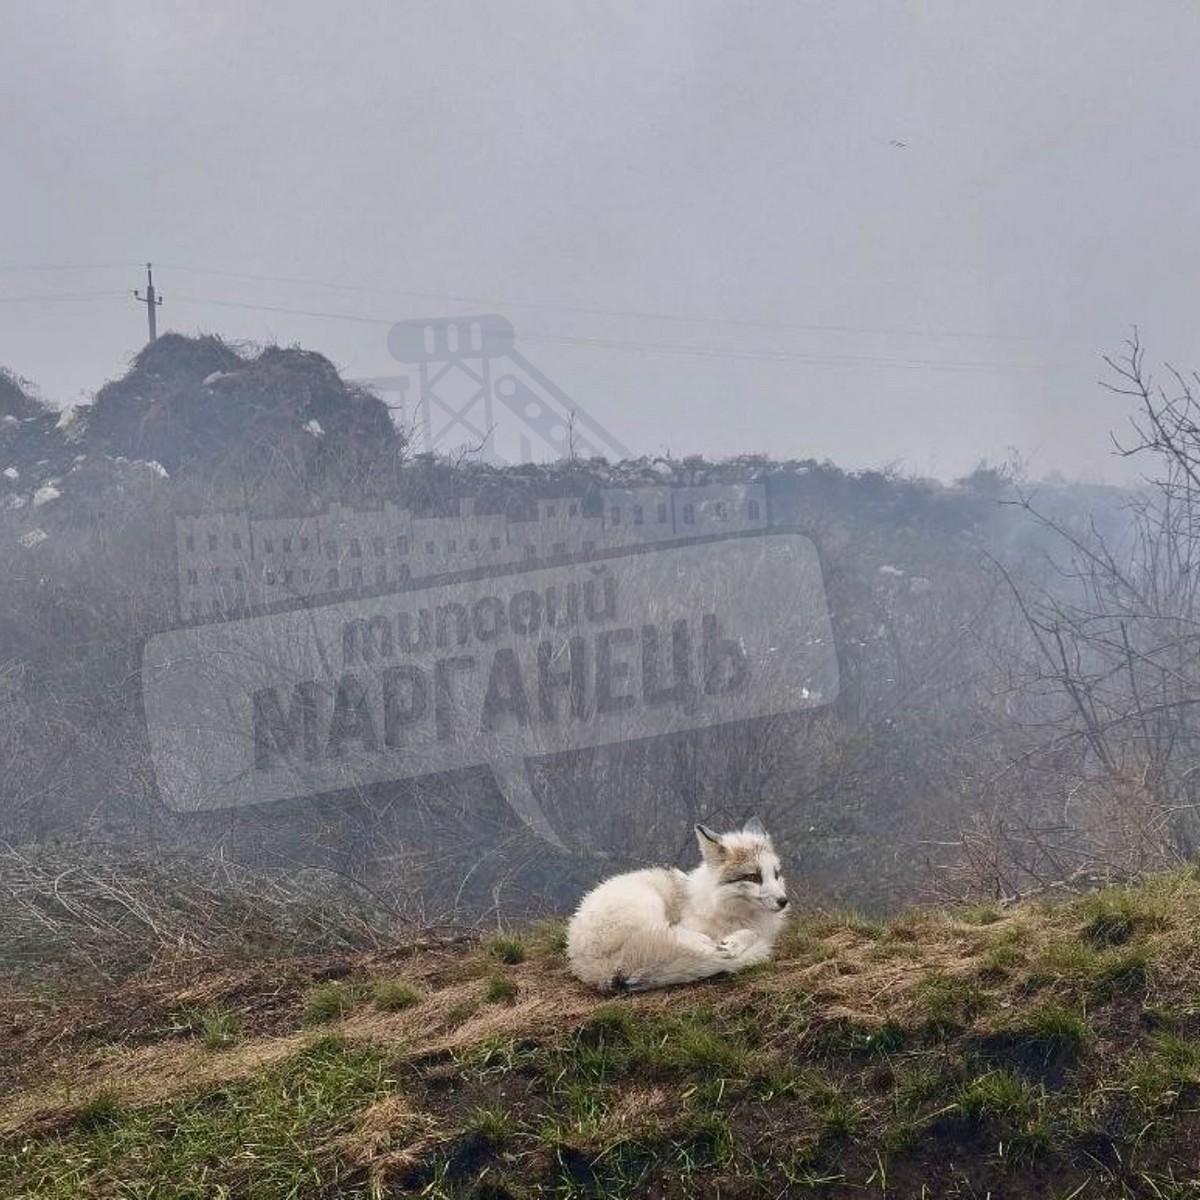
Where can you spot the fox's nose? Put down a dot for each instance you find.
(781, 902)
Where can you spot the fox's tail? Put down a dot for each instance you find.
(667, 955)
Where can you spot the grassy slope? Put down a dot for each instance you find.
(1048, 1050)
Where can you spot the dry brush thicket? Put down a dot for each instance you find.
(1016, 704)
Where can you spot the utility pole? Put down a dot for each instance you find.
(151, 301)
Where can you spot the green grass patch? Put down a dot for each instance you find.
(1117, 915)
(1042, 1032)
(499, 988)
(790, 1013)
(580, 1114)
(548, 939)
(921, 1080)
(505, 948)
(324, 1002)
(773, 1080)
(1162, 1074)
(848, 1036)
(851, 920)
(698, 1041)
(494, 1057)
(618, 1041)
(1001, 1094)
(1099, 974)
(946, 1003)
(492, 1122)
(215, 1027)
(1001, 960)
(220, 1028)
(890, 948)
(710, 1142)
(392, 995)
(837, 1111)
(1174, 1016)
(261, 1140)
(1025, 1126)
(102, 1111)
(979, 914)
(800, 943)
(909, 926)
(841, 1115)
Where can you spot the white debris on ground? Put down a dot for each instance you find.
(12, 473)
(73, 422)
(157, 468)
(15, 501)
(216, 377)
(918, 585)
(45, 494)
(314, 427)
(34, 537)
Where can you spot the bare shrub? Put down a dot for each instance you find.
(1111, 678)
(114, 912)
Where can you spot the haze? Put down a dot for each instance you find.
(875, 233)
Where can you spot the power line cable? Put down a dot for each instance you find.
(783, 356)
(669, 347)
(608, 312)
(36, 299)
(13, 269)
(502, 304)
(295, 312)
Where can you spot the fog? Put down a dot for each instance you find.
(689, 498)
(899, 235)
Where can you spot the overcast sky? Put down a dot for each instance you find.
(874, 232)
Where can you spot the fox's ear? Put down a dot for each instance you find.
(755, 828)
(711, 845)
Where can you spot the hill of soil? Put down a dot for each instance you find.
(1049, 1049)
(200, 402)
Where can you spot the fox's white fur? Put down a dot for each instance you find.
(652, 928)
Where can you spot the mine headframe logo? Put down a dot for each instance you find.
(473, 386)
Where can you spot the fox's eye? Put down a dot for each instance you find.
(752, 877)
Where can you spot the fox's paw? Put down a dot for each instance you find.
(737, 943)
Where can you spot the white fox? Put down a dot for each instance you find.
(660, 926)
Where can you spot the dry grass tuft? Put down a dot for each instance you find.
(139, 1076)
(389, 1137)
